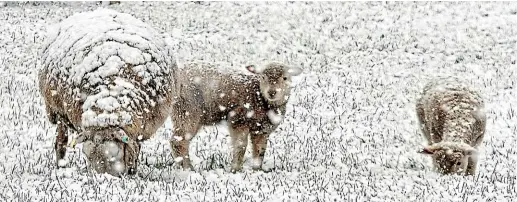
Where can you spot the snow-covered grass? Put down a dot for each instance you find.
(350, 132)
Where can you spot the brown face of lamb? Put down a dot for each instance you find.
(275, 81)
(110, 153)
(449, 161)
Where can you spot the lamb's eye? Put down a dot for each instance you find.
(285, 78)
(458, 163)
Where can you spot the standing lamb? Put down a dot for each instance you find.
(453, 121)
(109, 77)
(252, 104)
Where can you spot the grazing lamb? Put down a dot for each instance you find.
(251, 104)
(453, 121)
(109, 77)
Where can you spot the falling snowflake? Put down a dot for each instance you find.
(250, 114)
(118, 167)
(274, 117)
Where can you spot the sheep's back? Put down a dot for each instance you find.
(105, 68)
(450, 106)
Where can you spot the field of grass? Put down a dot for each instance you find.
(350, 133)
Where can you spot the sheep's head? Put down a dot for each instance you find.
(110, 151)
(450, 158)
(275, 80)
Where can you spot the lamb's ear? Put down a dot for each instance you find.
(470, 151)
(252, 68)
(427, 150)
(294, 71)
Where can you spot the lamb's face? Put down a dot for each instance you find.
(274, 84)
(450, 162)
(113, 157)
(275, 81)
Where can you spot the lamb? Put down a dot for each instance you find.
(452, 119)
(251, 104)
(109, 77)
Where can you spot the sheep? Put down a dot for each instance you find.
(251, 105)
(110, 78)
(452, 120)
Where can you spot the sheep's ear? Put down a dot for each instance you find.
(427, 150)
(252, 68)
(294, 71)
(83, 137)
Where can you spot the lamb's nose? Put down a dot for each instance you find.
(272, 93)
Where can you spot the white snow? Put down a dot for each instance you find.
(112, 151)
(118, 167)
(197, 79)
(350, 132)
(178, 159)
(62, 162)
(274, 117)
(178, 138)
(91, 53)
(250, 114)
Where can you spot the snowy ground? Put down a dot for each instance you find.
(350, 132)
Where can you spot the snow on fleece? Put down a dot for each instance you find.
(111, 61)
(462, 113)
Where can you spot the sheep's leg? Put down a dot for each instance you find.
(180, 144)
(259, 142)
(61, 141)
(471, 167)
(239, 136)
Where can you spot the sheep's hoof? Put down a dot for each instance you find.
(131, 171)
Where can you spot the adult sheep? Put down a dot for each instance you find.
(109, 77)
(251, 104)
(453, 121)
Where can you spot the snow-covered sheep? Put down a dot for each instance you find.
(251, 104)
(453, 121)
(109, 77)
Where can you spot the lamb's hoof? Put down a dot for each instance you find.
(267, 170)
(181, 166)
(60, 163)
(189, 168)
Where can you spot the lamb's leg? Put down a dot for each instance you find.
(180, 143)
(186, 119)
(61, 141)
(239, 136)
(259, 143)
(471, 167)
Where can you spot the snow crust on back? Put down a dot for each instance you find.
(461, 106)
(111, 63)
